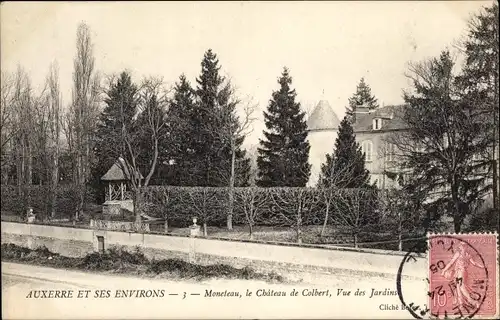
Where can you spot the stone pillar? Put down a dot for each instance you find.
(194, 230)
(31, 217)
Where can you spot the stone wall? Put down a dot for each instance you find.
(260, 256)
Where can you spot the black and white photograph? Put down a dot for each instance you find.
(250, 160)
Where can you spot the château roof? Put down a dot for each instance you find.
(323, 118)
(115, 173)
(392, 116)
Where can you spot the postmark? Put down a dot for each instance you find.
(462, 276)
(417, 308)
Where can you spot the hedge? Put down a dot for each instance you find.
(16, 200)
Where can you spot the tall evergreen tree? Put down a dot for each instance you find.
(209, 146)
(345, 167)
(283, 154)
(180, 151)
(202, 120)
(122, 95)
(442, 147)
(362, 96)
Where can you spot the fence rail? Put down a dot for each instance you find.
(119, 225)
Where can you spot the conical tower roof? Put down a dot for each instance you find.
(323, 118)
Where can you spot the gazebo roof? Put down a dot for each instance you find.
(116, 173)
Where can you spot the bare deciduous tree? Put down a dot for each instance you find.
(7, 108)
(234, 128)
(153, 101)
(292, 203)
(54, 133)
(83, 113)
(8, 126)
(23, 139)
(204, 203)
(252, 201)
(353, 208)
(157, 199)
(328, 194)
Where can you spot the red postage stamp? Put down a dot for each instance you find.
(463, 271)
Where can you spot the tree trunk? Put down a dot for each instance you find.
(166, 225)
(250, 229)
(400, 242)
(231, 189)
(457, 215)
(80, 180)
(55, 180)
(326, 218)
(81, 199)
(205, 229)
(29, 174)
(21, 179)
(355, 240)
(137, 205)
(299, 222)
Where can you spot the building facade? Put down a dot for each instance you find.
(372, 129)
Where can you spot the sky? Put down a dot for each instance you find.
(328, 46)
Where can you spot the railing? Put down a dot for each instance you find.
(119, 225)
(118, 192)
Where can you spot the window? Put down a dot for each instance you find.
(367, 148)
(377, 123)
(390, 151)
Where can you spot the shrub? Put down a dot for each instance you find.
(120, 254)
(12, 251)
(120, 260)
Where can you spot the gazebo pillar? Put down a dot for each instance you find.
(122, 190)
(109, 191)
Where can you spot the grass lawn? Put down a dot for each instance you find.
(334, 235)
(310, 234)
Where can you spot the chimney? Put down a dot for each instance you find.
(362, 109)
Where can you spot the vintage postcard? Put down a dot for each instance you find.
(250, 160)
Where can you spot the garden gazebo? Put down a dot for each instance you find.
(117, 179)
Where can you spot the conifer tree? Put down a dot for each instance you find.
(441, 122)
(179, 151)
(362, 96)
(211, 147)
(345, 167)
(122, 95)
(284, 151)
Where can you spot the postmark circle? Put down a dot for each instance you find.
(409, 306)
(449, 282)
